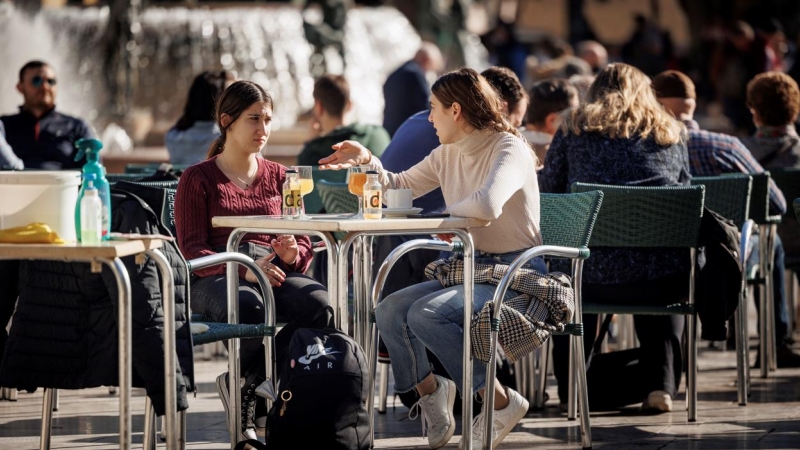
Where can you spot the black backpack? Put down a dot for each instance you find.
(322, 394)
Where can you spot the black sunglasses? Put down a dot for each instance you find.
(37, 81)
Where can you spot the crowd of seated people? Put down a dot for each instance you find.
(479, 146)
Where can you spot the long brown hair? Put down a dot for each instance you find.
(237, 97)
(480, 103)
(621, 104)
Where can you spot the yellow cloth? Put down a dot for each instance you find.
(32, 233)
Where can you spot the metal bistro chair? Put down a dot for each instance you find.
(788, 181)
(218, 331)
(150, 168)
(566, 224)
(761, 276)
(729, 196)
(653, 217)
(313, 201)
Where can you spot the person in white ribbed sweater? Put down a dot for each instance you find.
(486, 171)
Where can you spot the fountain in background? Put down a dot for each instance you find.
(171, 45)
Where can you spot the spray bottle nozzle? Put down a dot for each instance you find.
(86, 147)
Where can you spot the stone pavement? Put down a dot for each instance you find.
(87, 419)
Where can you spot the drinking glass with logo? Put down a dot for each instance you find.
(356, 179)
(306, 186)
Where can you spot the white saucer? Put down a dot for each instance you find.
(394, 212)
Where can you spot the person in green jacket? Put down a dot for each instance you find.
(331, 103)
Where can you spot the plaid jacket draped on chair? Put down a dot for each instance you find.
(545, 304)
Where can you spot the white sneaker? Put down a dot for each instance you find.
(504, 420)
(437, 413)
(657, 401)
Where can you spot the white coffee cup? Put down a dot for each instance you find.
(398, 198)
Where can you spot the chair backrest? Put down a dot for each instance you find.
(114, 177)
(336, 198)
(313, 201)
(567, 219)
(151, 168)
(168, 211)
(788, 181)
(759, 198)
(728, 195)
(158, 184)
(797, 209)
(637, 216)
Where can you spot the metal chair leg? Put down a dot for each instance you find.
(47, 419)
(149, 435)
(55, 400)
(182, 430)
(572, 399)
(741, 351)
(383, 388)
(539, 374)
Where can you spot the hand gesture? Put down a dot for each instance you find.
(348, 154)
(274, 274)
(285, 245)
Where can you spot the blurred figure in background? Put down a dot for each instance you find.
(407, 91)
(594, 54)
(582, 83)
(505, 49)
(740, 59)
(331, 105)
(40, 136)
(8, 159)
(188, 141)
(515, 100)
(548, 99)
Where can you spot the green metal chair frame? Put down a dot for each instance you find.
(313, 201)
(653, 217)
(566, 224)
(149, 168)
(729, 196)
(336, 198)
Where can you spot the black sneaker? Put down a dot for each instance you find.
(248, 408)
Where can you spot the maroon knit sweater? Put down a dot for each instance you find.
(205, 192)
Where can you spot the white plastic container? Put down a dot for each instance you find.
(40, 196)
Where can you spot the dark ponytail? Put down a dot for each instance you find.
(236, 99)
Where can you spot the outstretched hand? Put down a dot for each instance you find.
(347, 154)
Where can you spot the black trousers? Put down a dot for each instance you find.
(300, 301)
(661, 359)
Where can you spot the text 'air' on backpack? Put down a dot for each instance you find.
(322, 394)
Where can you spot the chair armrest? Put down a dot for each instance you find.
(226, 257)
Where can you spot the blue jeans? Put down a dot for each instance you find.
(427, 315)
(778, 288)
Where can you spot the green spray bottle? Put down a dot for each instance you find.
(90, 148)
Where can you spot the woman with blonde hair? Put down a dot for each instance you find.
(485, 170)
(621, 135)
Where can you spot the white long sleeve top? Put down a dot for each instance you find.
(486, 175)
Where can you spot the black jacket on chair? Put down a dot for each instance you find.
(719, 281)
(64, 331)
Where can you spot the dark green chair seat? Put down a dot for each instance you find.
(222, 331)
(652, 217)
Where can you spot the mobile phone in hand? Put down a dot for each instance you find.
(428, 215)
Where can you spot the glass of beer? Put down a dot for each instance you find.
(356, 179)
(306, 185)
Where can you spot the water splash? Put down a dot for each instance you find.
(266, 45)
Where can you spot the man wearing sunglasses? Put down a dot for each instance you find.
(40, 136)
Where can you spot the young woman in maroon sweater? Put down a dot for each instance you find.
(232, 181)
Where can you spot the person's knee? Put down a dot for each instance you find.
(251, 307)
(389, 318)
(423, 320)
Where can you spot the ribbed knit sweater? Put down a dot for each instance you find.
(205, 192)
(486, 175)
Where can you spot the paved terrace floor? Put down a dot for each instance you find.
(87, 419)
